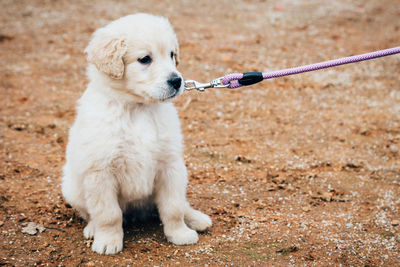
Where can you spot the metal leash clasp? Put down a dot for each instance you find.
(216, 83)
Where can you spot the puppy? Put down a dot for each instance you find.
(125, 146)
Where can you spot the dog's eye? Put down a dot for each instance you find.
(172, 55)
(145, 60)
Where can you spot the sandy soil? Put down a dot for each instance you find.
(295, 171)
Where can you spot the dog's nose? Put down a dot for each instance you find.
(175, 82)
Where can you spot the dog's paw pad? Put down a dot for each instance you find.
(88, 232)
(198, 221)
(107, 244)
(183, 236)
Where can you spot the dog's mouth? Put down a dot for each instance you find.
(168, 97)
(170, 94)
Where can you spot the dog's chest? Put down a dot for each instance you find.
(142, 132)
(143, 142)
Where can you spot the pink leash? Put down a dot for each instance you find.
(236, 80)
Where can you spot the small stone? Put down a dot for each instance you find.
(40, 228)
(241, 213)
(67, 39)
(227, 59)
(1, 223)
(306, 208)
(271, 187)
(32, 228)
(395, 222)
(327, 196)
(394, 148)
(219, 210)
(290, 187)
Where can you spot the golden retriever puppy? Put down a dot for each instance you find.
(125, 146)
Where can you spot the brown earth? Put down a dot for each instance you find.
(303, 170)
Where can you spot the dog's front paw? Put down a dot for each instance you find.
(88, 232)
(107, 243)
(182, 236)
(197, 220)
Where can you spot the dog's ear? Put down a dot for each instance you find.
(106, 52)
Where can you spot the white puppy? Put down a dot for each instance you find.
(125, 146)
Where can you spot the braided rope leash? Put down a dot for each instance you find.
(236, 80)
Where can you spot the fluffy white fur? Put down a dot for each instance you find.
(125, 146)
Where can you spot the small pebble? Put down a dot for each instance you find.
(32, 228)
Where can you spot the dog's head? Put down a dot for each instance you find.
(138, 54)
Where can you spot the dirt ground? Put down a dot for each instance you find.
(301, 171)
